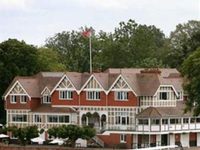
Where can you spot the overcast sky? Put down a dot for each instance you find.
(35, 20)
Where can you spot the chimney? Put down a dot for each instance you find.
(151, 70)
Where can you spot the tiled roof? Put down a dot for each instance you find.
(48, 109)
(143, 84)
(158, 112)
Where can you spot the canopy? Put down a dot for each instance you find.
(57, 141)
(38, 140)
(3, 136)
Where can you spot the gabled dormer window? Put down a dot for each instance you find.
(121, 95)
(65, 95)
(93, 95)
(46, 99)
(23, 99)
(13, 99)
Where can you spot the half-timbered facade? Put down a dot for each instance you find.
(137, 107)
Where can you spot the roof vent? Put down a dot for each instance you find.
(151, 70)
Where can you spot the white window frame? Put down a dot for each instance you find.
(13, 99)
(122, 138)
(58, 119)
(37, 118)
(22, 98)
(180, 96)
(15, 115)
(62, 96)
(93, 95)
(46, 99)
(123, 95)
(160, 96)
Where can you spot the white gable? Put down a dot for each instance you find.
(120, 84)
(65, 83)
(17, 89)
(46, 91)
(93, 84)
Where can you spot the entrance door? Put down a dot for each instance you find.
(164, 139)
(193, 139)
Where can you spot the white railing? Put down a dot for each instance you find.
(120, 127)
(170, 127)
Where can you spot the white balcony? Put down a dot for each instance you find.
(170, 127)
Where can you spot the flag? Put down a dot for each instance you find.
(87, 33)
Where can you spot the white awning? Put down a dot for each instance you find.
(57, 141)
(3, 136)
(38, 140)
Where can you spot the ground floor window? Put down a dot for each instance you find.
(123, 138)
(37, 118)
(19, 118)
(58, 119)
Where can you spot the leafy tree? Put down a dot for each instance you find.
(127, 46)
(73, 49)
(183, 41)
(48, 60)
(25, 134)
(17, 58)
(130, 44)
(88, 132)
(191, 70)
(150, 63)
(72, 132)
(54, 132)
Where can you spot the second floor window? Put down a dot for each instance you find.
(13, 99)
(163, 96)
(66, 95)
(93, 95)
(46, 99)
(121, 95)
(23, 99)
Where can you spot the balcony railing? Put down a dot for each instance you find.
(166, 127)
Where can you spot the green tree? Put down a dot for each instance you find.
(16, 58)
(191, 71)
(25, 134)
(130, 44)
(73, 49)
(54, 132)
(49, 60)
(127, 46)
(72, 132)
(183, 41)
(88, 132)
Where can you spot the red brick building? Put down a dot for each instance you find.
(136, 107)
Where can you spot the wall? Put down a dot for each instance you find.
(16, 105)
(172, 139)
(113, 140)
(185, 140)
(132, 100)
(56, 101)
(85, 102)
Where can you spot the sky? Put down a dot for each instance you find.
(35, 20)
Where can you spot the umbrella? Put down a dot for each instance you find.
(3, 136)
(38, 140)
(57, 141)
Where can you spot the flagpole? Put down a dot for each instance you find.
(90, 45)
